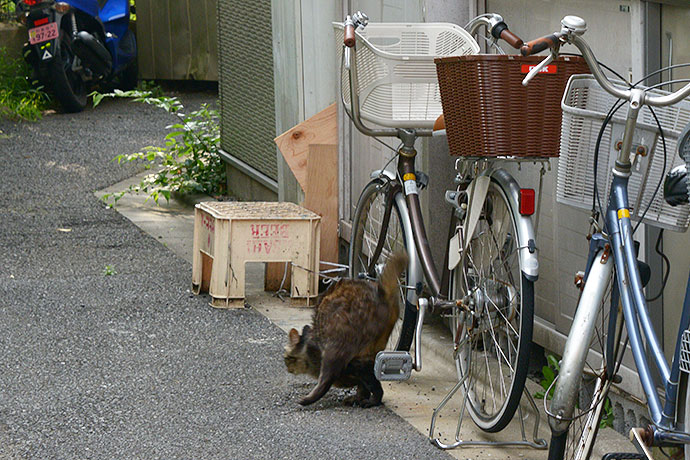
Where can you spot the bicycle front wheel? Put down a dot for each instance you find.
(378, 233)
(492, 329)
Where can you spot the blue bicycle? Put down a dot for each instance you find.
(612, 286)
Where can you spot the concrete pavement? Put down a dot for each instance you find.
(124, 362)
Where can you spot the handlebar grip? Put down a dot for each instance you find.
(539, 45)
(512, 39)
(500, 30)
(349, 39)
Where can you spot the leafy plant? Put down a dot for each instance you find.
(189, 162)
(607, 415)
(109, 270)
(20, 98)
(549, 373)
(7, 6)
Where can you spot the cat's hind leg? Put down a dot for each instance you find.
(331, 367)
(364, 371)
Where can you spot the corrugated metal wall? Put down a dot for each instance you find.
(177, 39)
(246, 84)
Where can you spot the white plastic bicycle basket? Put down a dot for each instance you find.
(585, 105)
(398, 87)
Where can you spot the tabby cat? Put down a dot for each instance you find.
(352, 323)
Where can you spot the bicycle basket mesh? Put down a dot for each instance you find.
(489, 113)
(396, 72)
(585, 105)
(684, 360)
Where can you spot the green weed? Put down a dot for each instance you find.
(20, 98)
(189, 163)
(109, 270)
(549, 373)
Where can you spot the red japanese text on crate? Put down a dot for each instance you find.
(264, 237)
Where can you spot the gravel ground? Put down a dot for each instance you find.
(132, 365)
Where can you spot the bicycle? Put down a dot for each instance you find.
(612, 295)
(487, 287)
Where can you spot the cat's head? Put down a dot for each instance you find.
(295, 356)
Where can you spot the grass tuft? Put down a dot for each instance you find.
(20, 97)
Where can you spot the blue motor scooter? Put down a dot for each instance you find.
(75, 45)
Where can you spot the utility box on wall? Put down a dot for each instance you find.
(177, 40)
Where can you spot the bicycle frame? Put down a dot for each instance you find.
(638, 322)
(406, 169)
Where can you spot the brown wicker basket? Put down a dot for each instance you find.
(489, 113)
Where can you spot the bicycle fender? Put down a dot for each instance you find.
(576, 347)
(527, 240)
(382, 172)
(478, 189)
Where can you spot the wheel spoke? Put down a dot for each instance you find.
(497, 354)
(373, 242)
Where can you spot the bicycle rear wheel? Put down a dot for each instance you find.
(591, 409)
(492, 330)
(378, 233)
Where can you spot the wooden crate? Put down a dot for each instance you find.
(227, 235)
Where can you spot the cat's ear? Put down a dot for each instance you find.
(293, 335)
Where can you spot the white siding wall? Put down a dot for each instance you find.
(674, 22)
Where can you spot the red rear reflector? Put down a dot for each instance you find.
(526, 201)
(40, 22)
(31, 2)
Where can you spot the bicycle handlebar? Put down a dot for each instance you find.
(500, 30)
(349, 36)
(540, 44)
(572, 35)
(496, 27)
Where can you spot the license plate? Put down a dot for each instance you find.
(43, 33)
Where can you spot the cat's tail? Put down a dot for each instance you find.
(390, 277)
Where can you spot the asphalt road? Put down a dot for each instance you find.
(132, 365)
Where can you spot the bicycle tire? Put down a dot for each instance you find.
(370, 216)
(501, 300)
(578, 440)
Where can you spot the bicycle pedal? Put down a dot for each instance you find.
(393, 365)
(623, 456)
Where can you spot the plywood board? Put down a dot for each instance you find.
(294, 143)
(321, 195)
